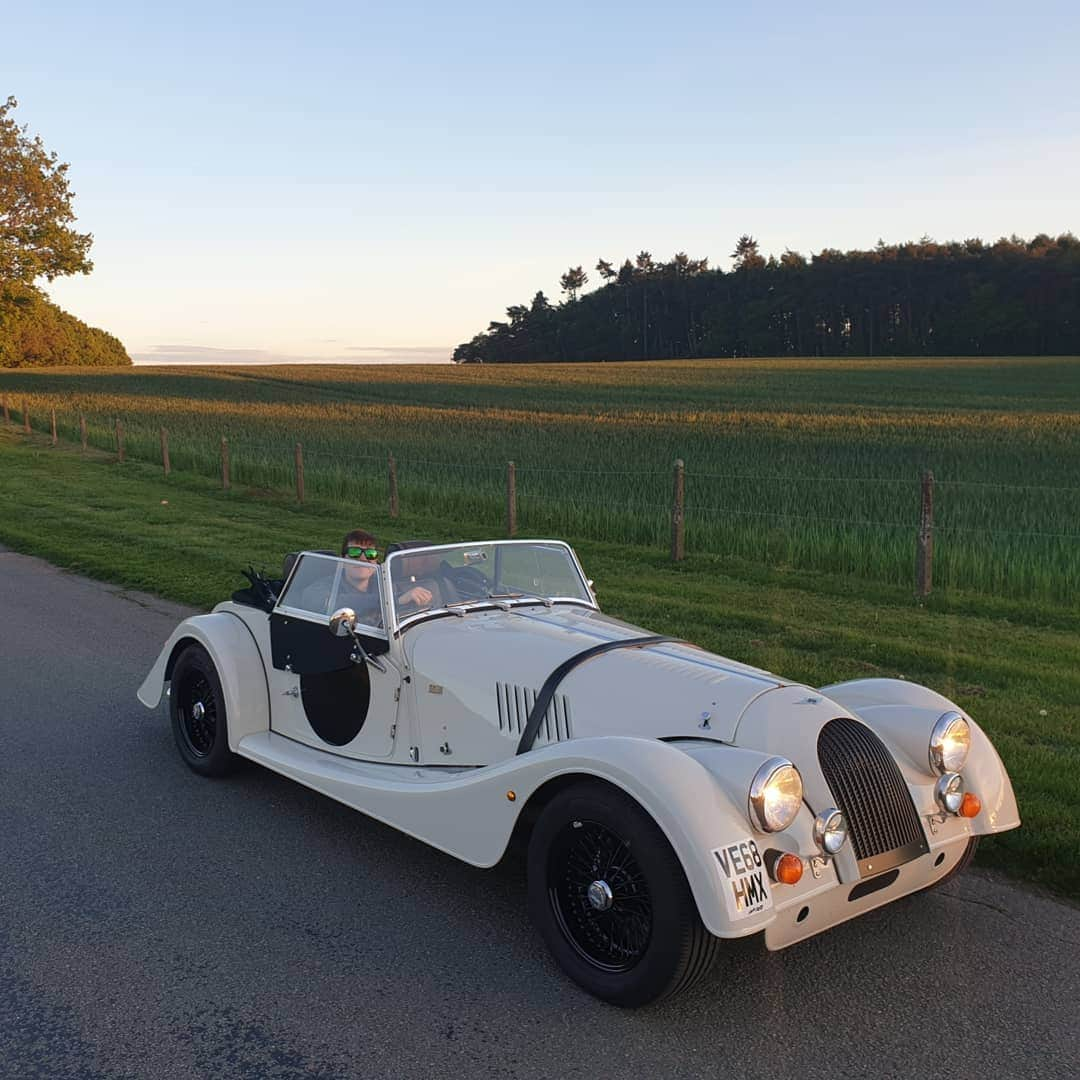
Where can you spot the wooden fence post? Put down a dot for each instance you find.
(299, 473)
(82, 431)
(165, 452)
(52, 425)
(25, 418)
(678, 544)
(393, 488)
(225, 463)
(511, 500)
(924, 546)
(119, 440)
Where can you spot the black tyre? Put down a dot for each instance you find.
(611, 901)
(961, 864)
(197, 709)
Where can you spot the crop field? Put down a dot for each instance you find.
(808, 464)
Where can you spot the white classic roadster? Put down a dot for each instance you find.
(471, 694)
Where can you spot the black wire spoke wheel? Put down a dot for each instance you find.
(600, 896)
(199, 718)
(198, 707)
(610, 898)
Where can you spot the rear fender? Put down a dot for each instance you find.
(239, 666)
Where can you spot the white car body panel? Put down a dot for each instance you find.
(236, 654)
(681, 730)
(667, 690)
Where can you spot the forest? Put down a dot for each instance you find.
(1013, 297)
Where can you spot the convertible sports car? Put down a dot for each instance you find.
(473, 694)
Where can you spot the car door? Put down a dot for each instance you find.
(321, 692)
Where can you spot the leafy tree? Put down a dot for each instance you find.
(746, 254)
(606, 270)
(573, 281)
(36, 234)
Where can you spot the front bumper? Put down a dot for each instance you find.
(820, 904)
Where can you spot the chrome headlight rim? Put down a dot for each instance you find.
(949, 792)
(827, 824)
(937, 756)
(758, 788)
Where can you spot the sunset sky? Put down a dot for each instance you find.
(372, 181)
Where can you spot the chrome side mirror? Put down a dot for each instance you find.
(343, 622)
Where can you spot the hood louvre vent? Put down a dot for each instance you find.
(516, 702)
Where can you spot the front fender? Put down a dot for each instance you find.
(235, 654)
(696, 797)
(904, 714)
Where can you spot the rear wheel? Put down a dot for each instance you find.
(197, 709)
(611, 901)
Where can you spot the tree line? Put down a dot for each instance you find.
(34, 332)
(1013, 297)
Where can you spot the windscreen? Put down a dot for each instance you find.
(439, 577)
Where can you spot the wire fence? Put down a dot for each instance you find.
(1000, 537)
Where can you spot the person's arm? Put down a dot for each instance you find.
(417, 595)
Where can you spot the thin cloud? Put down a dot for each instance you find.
(356, 354)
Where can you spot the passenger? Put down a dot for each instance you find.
(423, 573)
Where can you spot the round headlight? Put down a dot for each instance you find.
(949, 792)
(775, 795)
(950, 742)
(830, 831)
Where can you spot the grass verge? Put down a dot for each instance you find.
(1014, 666)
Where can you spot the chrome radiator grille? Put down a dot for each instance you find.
(516, 702)
(868, 788)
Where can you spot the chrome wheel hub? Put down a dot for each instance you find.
(198, 711)
(599, 894)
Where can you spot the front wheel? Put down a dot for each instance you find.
(961, 864)
(610, 898)
(197, 710)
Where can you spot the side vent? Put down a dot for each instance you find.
(516, 702)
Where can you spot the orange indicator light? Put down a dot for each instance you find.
(971, 805)
(788, 869)
(511, 795)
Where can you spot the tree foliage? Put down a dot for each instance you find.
(36, 333)
(37, 240)
(36, 235)
(1009, 298)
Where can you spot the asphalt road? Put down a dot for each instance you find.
(156, 924)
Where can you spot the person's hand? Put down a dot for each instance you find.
(418, 595)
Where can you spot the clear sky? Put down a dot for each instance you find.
(373, 180)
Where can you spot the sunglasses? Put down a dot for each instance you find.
(361, 553)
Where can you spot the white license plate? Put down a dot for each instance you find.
(743, 879)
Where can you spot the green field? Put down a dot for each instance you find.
(1014, 665)
(805, 464)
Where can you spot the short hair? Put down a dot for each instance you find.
(357, 538)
